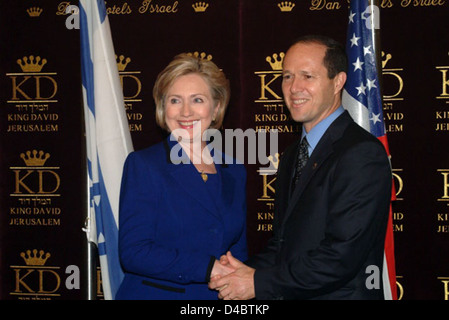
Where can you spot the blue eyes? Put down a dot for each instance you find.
(177, 100)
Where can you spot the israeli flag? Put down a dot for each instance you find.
(108, 140)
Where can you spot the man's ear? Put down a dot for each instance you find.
(339, 81)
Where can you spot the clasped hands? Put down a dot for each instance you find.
(232, 279)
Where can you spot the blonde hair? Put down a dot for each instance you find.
(184, 64)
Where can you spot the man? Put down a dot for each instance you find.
(330, 225)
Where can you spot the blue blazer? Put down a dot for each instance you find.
(173, 225)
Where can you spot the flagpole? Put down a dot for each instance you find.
(91, 253)
(91, 274)
(375, 16)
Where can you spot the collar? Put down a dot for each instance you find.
(314, 136)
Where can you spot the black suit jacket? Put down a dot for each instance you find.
(333, 225)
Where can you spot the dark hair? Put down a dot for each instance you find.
(335, 59)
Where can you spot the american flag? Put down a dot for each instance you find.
(362, 97)
(108, 140)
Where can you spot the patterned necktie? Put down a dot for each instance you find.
(303, 156)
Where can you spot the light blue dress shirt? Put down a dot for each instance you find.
(314, 136)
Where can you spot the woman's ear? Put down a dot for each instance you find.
(215, 112)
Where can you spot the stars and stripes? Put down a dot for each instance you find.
(108, 140)
(363, 83)
(362, 98)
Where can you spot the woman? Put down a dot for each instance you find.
(182, 206)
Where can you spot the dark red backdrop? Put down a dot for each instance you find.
(42, 205)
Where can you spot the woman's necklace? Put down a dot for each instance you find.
(204, 176)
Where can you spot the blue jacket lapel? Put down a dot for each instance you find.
(322, 151)
(189, 179)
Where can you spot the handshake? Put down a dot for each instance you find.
(232, 279)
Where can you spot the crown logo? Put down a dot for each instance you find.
(275, 63)
(34, 11)
(274, 160)
(200, 6)
(286, 6)
(34, 158)
(31, 64)
(385, 58)
(202, 55)
(35, 259)
(122, 62)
